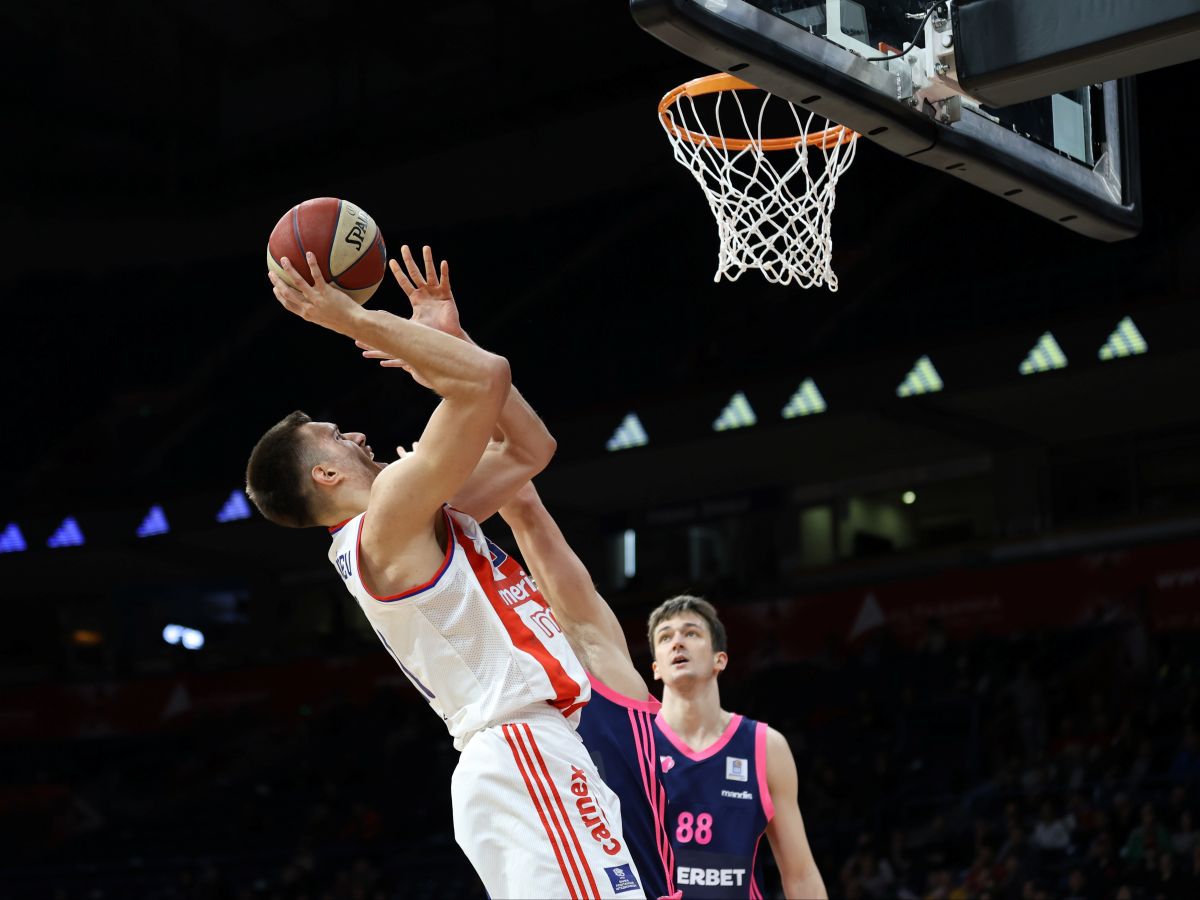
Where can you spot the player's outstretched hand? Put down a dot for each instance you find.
(320, 303)
(390, 362)
(428, 292)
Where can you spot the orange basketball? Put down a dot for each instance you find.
(347, 243)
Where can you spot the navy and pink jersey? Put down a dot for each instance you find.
(718, 807)
(618, 732)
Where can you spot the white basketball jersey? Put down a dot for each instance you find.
(478, 640)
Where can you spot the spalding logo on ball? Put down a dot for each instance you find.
(347, 243)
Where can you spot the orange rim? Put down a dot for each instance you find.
(722, 81)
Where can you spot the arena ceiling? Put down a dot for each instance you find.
(153, 146)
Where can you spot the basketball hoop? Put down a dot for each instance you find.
(774, 218)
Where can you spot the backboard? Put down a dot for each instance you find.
(886, 68)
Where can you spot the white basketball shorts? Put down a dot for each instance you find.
(534, 818)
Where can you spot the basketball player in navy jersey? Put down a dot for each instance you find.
(617, 724)
(729, 779)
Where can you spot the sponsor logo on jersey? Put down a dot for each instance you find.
(736, 769)
(499, 557)
(709, 877)
(593, 819)
(738, 795)
(667, 763)
(519, 592)
(622, 879)
(343, 566)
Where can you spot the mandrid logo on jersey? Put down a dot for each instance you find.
(592, 819)
(738, 795)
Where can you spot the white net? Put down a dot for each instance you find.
(773, 199)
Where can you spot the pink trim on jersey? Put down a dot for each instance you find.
(412, 591)
(755, 890)
(698, 755)
(643, 742)
(566, 688)
(760, 763)
(649, 705)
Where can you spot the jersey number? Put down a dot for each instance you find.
(702, 832)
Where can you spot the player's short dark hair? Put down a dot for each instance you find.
(275, 475)
(685, 603)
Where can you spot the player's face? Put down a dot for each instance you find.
(683, 650)
(347, 449)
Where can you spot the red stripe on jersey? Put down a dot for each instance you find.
(510, 736)
(558, 799)
(566, 688)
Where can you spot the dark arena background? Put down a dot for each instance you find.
(974, 612)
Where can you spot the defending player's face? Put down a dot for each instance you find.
(683, 650)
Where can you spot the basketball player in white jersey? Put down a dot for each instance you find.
(461, 619)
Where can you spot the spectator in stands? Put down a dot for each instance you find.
(1076, 885)
(1102, 863)
(1143, 763)
(1194, 871)
(1147, 839)
(1052, 833)
(1171, 884)
(1185, 839)
(1186, 765)
(1030, 705)
(1123, 819)
(981, 875)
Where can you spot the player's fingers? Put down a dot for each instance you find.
(400, 451)
(285, 292)
(376, 354)
(430, 268)
(392, 364)
(446, 274)
(286, 302)
(315, 269)
(411, 265)
(401, 278)
(302, 285)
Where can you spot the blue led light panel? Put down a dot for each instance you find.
(11, 539)
(67, 535)
(236, 507)
(154, 523)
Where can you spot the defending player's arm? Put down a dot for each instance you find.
(789, 842)
(586, 619)
(523, 445)
(473, 384)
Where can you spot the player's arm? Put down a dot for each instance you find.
(586, 619)
(473, 384)
(523, 445)
(789, 842)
